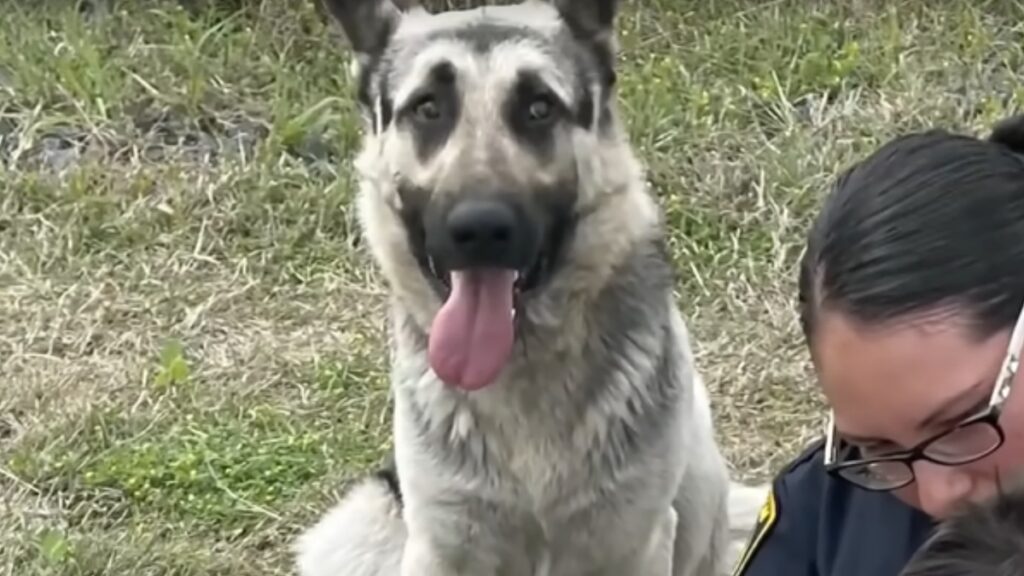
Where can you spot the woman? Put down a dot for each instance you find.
(910, 288)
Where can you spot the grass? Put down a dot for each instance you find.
(192, 344)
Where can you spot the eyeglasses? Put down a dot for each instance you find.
(972, 439)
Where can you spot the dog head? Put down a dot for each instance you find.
(489, 135)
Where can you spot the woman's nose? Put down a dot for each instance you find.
(941, 489)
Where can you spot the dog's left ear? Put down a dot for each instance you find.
(368, 24)
(590, 20)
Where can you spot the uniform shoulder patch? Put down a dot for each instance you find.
(766, 520)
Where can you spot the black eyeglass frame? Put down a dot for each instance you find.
(988, 416)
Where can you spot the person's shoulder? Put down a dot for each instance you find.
(813, 522)
(809, 461)
(784, 530)
(804, 477)
(805, 480)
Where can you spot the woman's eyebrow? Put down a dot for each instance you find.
(954, 407)
(950, 409)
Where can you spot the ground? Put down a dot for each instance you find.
(191, 332)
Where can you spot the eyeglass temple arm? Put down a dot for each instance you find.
(1009, 368)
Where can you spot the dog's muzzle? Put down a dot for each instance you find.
(483, 249)
(483, 233)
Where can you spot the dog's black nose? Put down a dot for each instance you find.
(484, 232)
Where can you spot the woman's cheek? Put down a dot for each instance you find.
(908, 495)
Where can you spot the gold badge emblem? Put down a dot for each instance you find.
(766, 519)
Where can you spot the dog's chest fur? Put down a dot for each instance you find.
(563, 417)
(538, 445)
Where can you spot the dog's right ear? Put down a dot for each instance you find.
(590, 20)
(593, 23)
(368, 24)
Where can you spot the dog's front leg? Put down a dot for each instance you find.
(651, 557)
(424, 557)
(429, 553)
(662, 547)
(459, 540)
(654, 558)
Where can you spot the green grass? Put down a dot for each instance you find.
(192, 350)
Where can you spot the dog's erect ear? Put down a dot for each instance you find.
(590, 20)
(368, 24)
(593, 23)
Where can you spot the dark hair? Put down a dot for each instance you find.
(930, 222)
(985, 540)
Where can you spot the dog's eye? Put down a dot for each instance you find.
(541, 109)
(427, 109)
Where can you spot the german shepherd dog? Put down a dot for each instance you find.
(549, 420)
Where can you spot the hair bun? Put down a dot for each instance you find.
(1010, 133)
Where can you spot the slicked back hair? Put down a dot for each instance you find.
(931, 222)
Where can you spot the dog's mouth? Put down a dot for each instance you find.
(473, 335)
(527, 279)
(487, 259)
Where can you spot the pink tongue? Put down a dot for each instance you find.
(471, 338)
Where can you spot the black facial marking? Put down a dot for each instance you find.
(387, 107)
(415, 202)
(585, 107)
(432, 111)
(483, 227)
(533, 111)
(556, 211)
(547, 219)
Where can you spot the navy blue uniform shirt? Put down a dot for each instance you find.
(814, 524)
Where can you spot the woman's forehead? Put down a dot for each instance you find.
(901, 370)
